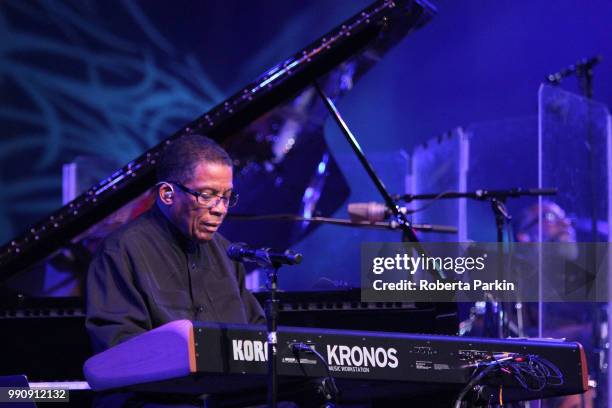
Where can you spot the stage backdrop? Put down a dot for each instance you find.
(111, 78)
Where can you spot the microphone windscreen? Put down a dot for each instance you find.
(236, 250)
(293, 257)
(368, 212)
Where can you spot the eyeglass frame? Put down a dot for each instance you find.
(546, 218)
(220, 198)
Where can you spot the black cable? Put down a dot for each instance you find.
(535, 373)
(474, 381)
(531, 372)
(430, 203)
(330, 386)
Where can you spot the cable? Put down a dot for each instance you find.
(475, 380)
(531, 372)
(430, 203)
(329, 386)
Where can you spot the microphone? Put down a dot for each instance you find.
(370, 212)
(581, 67)
(241, 252)
(590, 62)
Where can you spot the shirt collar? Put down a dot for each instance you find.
(184, 242)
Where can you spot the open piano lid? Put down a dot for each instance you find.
(273, 128)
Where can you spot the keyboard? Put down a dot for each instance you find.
(191, 357)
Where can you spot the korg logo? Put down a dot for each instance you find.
(357, 356)
(250, 350)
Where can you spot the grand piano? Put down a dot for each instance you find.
(273, 128)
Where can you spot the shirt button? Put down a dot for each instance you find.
(193, 266)
(200, 309)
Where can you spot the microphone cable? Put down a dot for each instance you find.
(330, 389)
(531, 372)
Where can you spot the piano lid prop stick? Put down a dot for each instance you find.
(406, 226)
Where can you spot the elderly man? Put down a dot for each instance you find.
(170, 263)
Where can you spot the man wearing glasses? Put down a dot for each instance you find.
(170, 263)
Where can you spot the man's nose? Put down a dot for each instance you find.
(219, 208)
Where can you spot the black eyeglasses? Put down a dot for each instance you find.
(209, 200)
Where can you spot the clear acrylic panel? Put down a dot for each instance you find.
(574, 156)
(439, 166)
(493, 155)
(568, 147)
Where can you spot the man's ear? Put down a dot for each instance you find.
(165, 193)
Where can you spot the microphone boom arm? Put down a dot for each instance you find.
(445, 229)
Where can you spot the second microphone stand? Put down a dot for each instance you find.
(496, 327)
(272, 325)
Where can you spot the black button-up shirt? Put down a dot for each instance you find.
(147, 273)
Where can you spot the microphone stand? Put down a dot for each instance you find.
(272, 325)
(272, 264)
(583, 70)
(498, 199)
(480, 194)
(272, 307)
